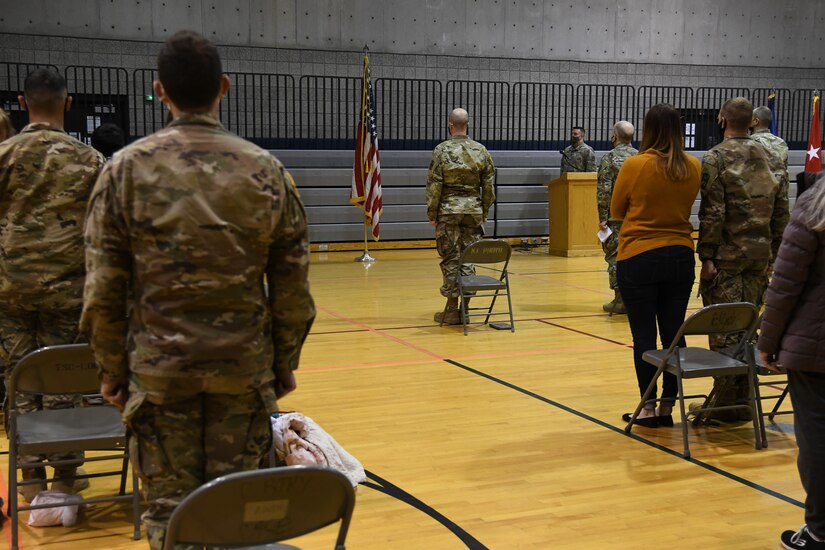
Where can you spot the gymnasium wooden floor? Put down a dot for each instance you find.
(499, 439)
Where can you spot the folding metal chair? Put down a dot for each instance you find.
(694, 362)
(485, 254)
(262, 507)
(55, 370)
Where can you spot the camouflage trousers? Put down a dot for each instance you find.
(21, 332)
(611, 251)
(744, 281)
(453, 234)
(176, 447)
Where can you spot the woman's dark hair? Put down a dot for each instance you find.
(663, 133)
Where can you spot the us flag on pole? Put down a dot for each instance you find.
(366, 173)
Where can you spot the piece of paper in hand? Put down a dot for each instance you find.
(603, 234)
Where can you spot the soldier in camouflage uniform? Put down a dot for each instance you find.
(608, 170)
(189, 228)
(459, 194)
(742, 215)
(45, 180)
(578, 156)
(775, 146)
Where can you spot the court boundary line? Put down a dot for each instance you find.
(584, 416)
(392, 490)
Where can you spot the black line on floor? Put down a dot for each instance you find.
(582, 332)
(706, 466)
(384, 486)
(408, 327)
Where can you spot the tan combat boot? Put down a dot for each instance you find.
(609, 306)
(450, 315)
(618, 305)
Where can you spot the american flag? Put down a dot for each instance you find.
(366, 173)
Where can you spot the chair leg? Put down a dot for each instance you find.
(13, 488)
(760, 415)
(124, 474)
(492, 305)
(464, 315)
(136, 503)
(643, 400)
(510, 305)
(778, 403)
(760, 440)
(681, 390)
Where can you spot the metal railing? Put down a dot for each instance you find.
(321, 112)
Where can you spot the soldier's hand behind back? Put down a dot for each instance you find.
(709, 271)
(114, 392)
(284, 383)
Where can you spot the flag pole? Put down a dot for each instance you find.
(365, 257)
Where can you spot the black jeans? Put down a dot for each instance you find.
(656, 286)
(808, 396)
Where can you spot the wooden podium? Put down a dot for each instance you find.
(574, 217)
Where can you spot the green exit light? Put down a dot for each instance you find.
(149, 98)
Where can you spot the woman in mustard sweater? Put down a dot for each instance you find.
(653, 194)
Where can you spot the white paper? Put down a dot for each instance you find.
(603, 234)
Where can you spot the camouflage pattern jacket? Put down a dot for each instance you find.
(45, 180)
(743, 210)
(777, 155)
(608, 170)
(578, 159)
(460, 179)
(187, 222)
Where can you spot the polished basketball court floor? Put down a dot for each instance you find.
(499, 439)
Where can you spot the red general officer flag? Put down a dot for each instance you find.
(366, 172)
(813, 159)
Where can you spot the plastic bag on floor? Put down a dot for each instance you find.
(61, 515)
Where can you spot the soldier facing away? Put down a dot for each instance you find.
(578, 156)
(459, 195)
(742, 215)
(775, 146)
(609, 168)
(45, 180)
(186, 227)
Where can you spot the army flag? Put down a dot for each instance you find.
(366, 173)
(772, 107)
(813, 158)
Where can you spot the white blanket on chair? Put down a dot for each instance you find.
(299, 440)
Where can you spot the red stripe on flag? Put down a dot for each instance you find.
(813, 157)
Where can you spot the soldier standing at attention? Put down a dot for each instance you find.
(578, 156)
(185, 226)
(459, 195)
(742, 215)
(609, 167)
(775, 146)
(45, 180)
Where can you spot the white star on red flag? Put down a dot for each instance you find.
(813, 153)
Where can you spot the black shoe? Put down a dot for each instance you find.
(801, 539)
(646, 422)
(666, 420)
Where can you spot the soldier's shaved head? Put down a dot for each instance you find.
(623, 131)
(459, 119)
(45, 90)
(738, 112)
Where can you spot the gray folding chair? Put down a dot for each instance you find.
(485, 254)
(253, 509)
(693, 362)
(779, 378)
(55, 370)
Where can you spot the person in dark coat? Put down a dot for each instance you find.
(792, 336)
